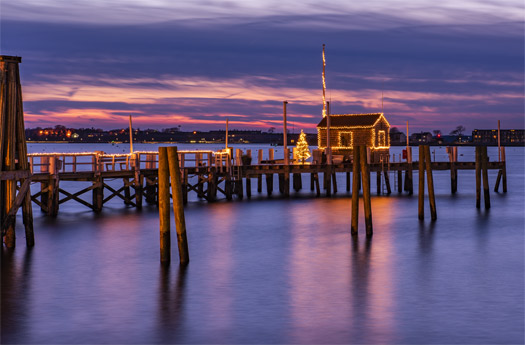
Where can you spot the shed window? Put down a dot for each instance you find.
(345, 139)
(381, 139)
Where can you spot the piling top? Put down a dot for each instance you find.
(8, 58)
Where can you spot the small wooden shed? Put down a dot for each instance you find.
(349, 130)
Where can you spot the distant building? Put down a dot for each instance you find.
(397, 138)
(421, 138)
(349, 130)
(508, 137)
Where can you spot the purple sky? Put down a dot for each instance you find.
(194, 63)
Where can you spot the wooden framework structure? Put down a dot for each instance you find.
(15, 178)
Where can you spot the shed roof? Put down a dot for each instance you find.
(351, 120)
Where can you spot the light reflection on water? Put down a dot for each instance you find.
(276, 271)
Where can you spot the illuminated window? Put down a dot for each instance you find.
(381, 139)
(345, 139)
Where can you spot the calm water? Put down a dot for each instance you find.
(277, 271)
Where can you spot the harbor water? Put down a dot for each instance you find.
(275, 270)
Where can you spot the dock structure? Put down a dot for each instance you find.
(209, 175)
(224, 174)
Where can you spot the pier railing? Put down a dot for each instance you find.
(98, 161)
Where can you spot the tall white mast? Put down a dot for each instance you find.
(324, 84)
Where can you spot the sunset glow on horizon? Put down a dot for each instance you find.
(438, 67)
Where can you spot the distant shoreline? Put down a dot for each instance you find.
(246, 143)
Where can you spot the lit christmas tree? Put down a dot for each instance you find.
(301, 150)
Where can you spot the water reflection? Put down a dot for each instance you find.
(16, 294)
(171, 304)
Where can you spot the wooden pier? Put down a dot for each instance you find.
(209, 175)
(225, 175)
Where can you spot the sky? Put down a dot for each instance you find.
(438, 65)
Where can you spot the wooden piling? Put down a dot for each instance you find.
(452, 156)
(378, 182)
(98, 194)
(127, 191)
(13, 154)
(503, 159)
(296, 182)
(430, 184)
(164, 206)
(53, 192)
(212, 184)
(334, 180)
(421, 190)
(269, 184)
(328, 179)
(355, 190)
(348, 181)
(239, 187)
(259, 183)
(317, 185)
(409, 174)
(228, 186)
(365, 175)
(400, 181)
(498, 179)
(484, 163)
(139, 190)
(387, 182)
(281, 183)
(478, 176)
(178, 207)
(312, 182)
(286, 181)
(248, 187)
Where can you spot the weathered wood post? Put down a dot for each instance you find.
(355, 190)
(164, 206)
(312, 182)
(297, 182)
(328, 179)
(421, 190)
(98, 183)
(259, 176)
(334, 179)
(484, 164)
(348, 181)
(212, 184)
(12, 148)
(127, 191)
(400, 181)
(53, 200)
(44, 196)
(504, 169)
(502, 172)
(365, 175)
(139, 181)
(430, 184)
(269, 184)
(178, 207)
(248, 178)
(478, 176)
(286, 180)
(452, 157)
